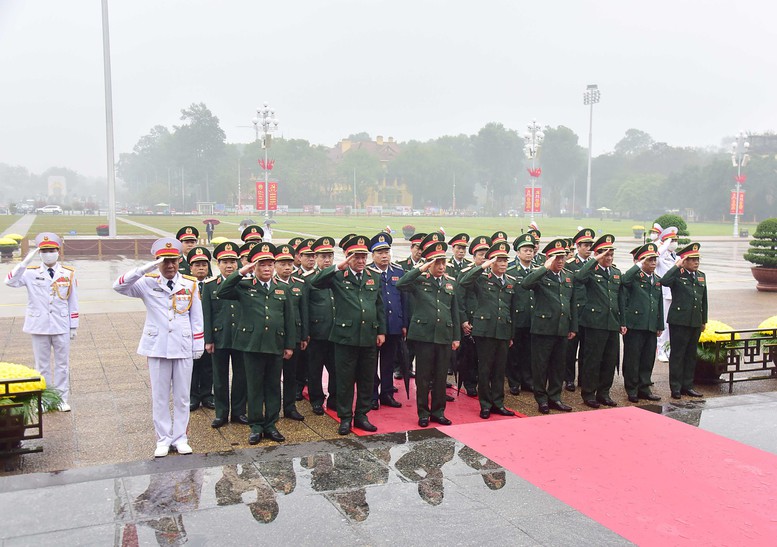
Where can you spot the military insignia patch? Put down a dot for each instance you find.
(370, 282)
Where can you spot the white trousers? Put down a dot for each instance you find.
(167, 374)
(664, 338)
(42, 346)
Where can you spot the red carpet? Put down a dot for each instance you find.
(651, 479)
(463, 410)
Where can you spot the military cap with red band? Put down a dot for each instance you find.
(435, 251)
(649, 250)
(498, 236)
(357, 244)
(498, 249)
(417, 238)
(262, 251)
(305, 247)
(284, 252)
(198, 254)
(226, 250)
(324, 244)
(296, 241)
(252, 233)
(246, 248)
(604, 243)
(430, 238)
(345, 239)
(689, 251)
(479, 243)
(459, 239)
(586, 235)
(166, 247)
(555, 247)
(47, 241)
(188, 233)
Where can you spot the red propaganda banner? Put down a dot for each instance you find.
(527, 200)
(260, 195)
(733, 209)
(538, 200)
(272, 198)
(532, 203)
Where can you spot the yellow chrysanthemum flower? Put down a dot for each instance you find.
(770, 323)
(709, 334)
(12, 371)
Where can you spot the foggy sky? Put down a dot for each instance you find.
(687, 72)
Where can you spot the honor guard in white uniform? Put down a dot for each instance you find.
(52, 311)
(667, 245)
(172, 338)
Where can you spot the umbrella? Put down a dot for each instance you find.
(247, 221)
(604, 210)
(404, 365)
(270, 221)
(213, 221)
(162, 205)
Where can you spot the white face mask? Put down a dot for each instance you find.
(49, 258)
(673, 245)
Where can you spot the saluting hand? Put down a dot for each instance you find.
(487, 263)
(424, 266)
(549, 262)
(347, 262)
(247, 268)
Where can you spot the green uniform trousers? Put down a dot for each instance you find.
(355, 365)
(321, 354)
(431, 373)
(290, 385)
(492, 361)
(202, 380)
(639, 355)
(547, 366)
(519, 360)
(682, 358)
(600, 358)
(221, 391)
(575, 353)
(263, 378)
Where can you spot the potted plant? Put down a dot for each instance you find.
(639, 231)
(8, 246)
(102, 230)
(769, 331)
(763, 253)
(19, 402)
(408, 230)
(710, 363)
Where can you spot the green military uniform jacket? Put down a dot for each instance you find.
(525, 298)
(644, 303)
(359, 314)
(221, 317)
(689, 297)
(453, 269)
(554, 311)
(184, 268)
(298, 290)
(539, 259)
(605, 299)
(406, 264)
(321, 308)
(435, 310)
(266, 316)
(573, 265)
(494, 312)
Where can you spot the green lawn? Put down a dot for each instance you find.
(83, 225)
(7, 220)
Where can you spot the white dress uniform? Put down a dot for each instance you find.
(172, 337)
(52, 311)
(665, 262)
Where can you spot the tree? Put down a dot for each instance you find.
(498, 155)
(634, 142)
(362, 168)
(639, 195)
(198, 146)
(563, 160)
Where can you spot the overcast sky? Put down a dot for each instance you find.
(687, 72)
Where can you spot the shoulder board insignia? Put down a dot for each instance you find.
(295, 278)
(467, 268)
(32, 267)
(212, 279)
(311, 272)
(395, 264)
(189, 277)
(449, 276)
(510, 277)
(373, 267)
(71, 268)
(152, 275)
(571, 260)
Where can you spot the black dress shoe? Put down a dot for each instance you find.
(592, 404)
(208, 403)
(390, 401)
(692, 393)
(569, 386)
(472, 392)
(676, 395)
(394, 389)
(502, 411)
(607, 402)
(423, 422)
(650, 397)
(294, 415)
(274, 435)
(254, 438)
(193, 406)
(397, 375)
(485, 414)
(543, 408)
(345, 427)
(318, 410)
(412, 374)
(633, 399)
(448, 385)
(365, 425)
(242, 419)
(442, 420)
(449, 398)
(299, 396)
(218, 422)
(515, 390)
(527, 387)
(375, 405)
(558, 405)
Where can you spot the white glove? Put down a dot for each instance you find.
(73, 334)
(29, 257)
(151, 266)
(196, 354)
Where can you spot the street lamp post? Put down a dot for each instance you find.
(590, 97)
(267, 123)
(533, 140)
(739, 158)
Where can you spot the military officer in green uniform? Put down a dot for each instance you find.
(539, 258)
(293, 242)
(307, 258)
(201, 388)
(297, 289)
(457, 262)
(644, 319)
(245, 248)
(582, 242)
(266, 335)
(359, 328)
(252, 233)
(307, 266)
(687, 318)
(321, 352)
(519, 356)
(434, 329)
(466, 355)
(221, 320)
(492, 325)
(415, 252)
(602, 320)
(553, 322)
(188, 236)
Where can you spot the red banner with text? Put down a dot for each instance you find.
(272, 196)
(532, 203)
(733, 209)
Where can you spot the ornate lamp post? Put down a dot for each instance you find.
(533, 140)
(590, 97)
(266, 123)
(739, 158)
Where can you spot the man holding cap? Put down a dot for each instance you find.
(687, 318)
(172, 338)
(52, 311)
(359, 328)
(554, 321)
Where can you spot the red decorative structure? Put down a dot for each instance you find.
(740, 178)
(268, 165)
(535, 172)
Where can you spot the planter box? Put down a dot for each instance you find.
(766, 278)
(708, 373)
